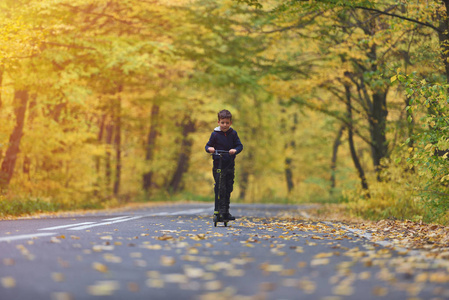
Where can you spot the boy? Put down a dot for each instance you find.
(224, 138)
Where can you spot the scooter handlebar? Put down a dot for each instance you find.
(219, 152)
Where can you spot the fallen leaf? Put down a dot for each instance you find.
(57, 277)
(199, 237)
(155, 283)
(343, 290)
(380, 291)
(235, 273)
(100, 248)
(99, 267)
(307, 286)
(140, 263)
(323, 255)
(213, 285)
(165, 237)
(319, 262)
(55, 240)
(167, 260)
(267, 286)
(194, 272)
(103, 288)
(8, 282)
(8, 261)
(109, 257)
(271, 268)
(133, 287)
(135, 255)
(61, 296)
(175, 278)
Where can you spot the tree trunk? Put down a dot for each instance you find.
(26, 167)
(108, 169)
(246, 169)
(243, 183)
(378, 130)
(1, 86)
(184, 155)
(288, 159)
(337, 143)
(118, 142)
(101, 131)
(151, 142)
(443, 35)
(9, 162)
(354, 156)
(289, 174)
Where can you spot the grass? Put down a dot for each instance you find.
(19, 207)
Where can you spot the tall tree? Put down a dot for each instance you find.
(10, 159)
(188, 127)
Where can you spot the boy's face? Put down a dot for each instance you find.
(224, 124)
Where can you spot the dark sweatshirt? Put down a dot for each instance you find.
(224, 141)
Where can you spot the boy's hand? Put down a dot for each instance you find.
(232, 151)
(211, 149)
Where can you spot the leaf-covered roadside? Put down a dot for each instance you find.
(432, 239)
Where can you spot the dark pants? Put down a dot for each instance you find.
(223, 188)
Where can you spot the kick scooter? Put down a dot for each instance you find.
(218, 218)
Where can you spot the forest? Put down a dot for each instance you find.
(107, 102)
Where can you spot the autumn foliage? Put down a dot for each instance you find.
(105, 101)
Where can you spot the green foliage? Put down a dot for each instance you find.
(428, 146)
(20, 207)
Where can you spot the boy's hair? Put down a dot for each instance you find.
(224, 114)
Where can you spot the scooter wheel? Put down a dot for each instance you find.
(215, 224)
(226, 224)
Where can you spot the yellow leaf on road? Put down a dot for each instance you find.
(323, 255)
(307, 286)
(194, 272)
(8, 282)
(155, 283)
(165, 237)
(343, 290)
(61, 296)
(213, 285)
(57, 277)
(99, 267)
(319, 262)
(103, 288)
(167, 260)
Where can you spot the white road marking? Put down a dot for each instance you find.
(184, 212)
(65, 226)
(25, 236)
(122, 219)
(117, 218)
(86, 225)
(104, 223)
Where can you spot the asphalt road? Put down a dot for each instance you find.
(175, 252)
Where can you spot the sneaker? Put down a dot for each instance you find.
(230, 217)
